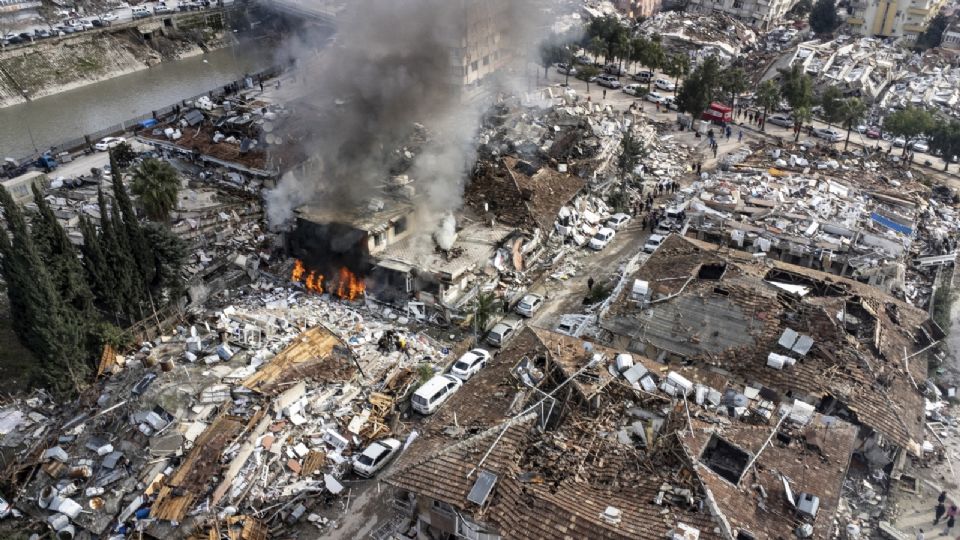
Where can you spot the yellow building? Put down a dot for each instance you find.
(893, 18)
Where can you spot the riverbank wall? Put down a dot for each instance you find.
(59, 64)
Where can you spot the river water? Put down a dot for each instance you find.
(53, 120)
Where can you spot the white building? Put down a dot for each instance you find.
(760, 14)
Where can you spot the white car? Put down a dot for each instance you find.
(529, 305)
(828, 134)
(653, 243)
(655, 97)
(899, 142)
(920, 146)
(782, 120)
(110, 17)
(470, 363)
(375, 457)
(632, 89)
(566, 69)
(617, 221)
(502, 332)
(86, 25)
(434, 393)
(107, 143)
(664, 84)
(602, 238)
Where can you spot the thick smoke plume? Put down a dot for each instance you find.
(390, 68)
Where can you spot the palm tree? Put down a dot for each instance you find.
(852, 111)
(768, 97)
(800, 115)
(486, 307)
(155, 184)
(733, 82)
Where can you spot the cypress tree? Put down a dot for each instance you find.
(139, 249)
(61, 257)
(98, 271)
(170, 254)
(40, 319)
(119, 260)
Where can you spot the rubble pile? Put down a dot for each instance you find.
(865, 66)
(256, 408)
(701, 34)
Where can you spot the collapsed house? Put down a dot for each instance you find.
(563, 438)
(863, 67)
(845, 348)
(701, 34)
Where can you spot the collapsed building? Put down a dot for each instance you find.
(844, 348)
(701, 34)
(863, 67)
(564, 438)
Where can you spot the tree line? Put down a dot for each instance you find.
(65, 302)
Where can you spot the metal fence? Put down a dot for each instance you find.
(85, 141)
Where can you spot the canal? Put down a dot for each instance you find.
(53, 120)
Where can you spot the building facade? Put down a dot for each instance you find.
(893, 18)
(951, 36)
(759, 14)
(480, 47)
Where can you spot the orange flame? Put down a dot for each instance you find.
(345, 285)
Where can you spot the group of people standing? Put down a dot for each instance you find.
(941, 511)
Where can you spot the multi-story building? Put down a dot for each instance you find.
(638, 8)
(480, 46)
(760, 14)
(13, 6)
(893, 18)
(951, 36)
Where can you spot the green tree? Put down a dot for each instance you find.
(60, 258)
(485, 308)
(852, 112)
(832, 102)
(797, 88)
(549, 55)
(933, 35)
(945, 141)
(700, 87)
(42, 322)
(98, 270)
(768, 97)
(169, 256)
(596, 46)
(586, 73)
(125, 275)
(802, 7)
(148, 172)
(122, 155)
(652, 56)
(155, 183)
(677, 66)
(733, 81)
(910, 123)
(800, 116)
(823, 17)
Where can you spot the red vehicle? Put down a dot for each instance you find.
(873, 132)
(718, 112)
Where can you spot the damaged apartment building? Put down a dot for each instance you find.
(842, 348)
(561, 438)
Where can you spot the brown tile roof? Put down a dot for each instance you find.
(316, 354)
(732, 324)
(814, 460)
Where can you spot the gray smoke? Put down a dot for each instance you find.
(391, 67)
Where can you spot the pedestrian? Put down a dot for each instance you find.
(699, 167)
(943, 494)
(604, 93)
(658, 106)
(950, 522)
(714, 151)
(740, 136)
(278, 84)
(938, 513)
(590, 284)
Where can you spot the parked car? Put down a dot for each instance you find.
(502, 332)
(617, 221)
(433, 393)
(110, 17)
(26, 36)
(375, 457)
(107, 143)
(653, 242)
(655, 97)
(139, 12)
(634, 89)
(86, 24)
(614, 69)
(873, 132)
(899, 142)
(41, 33)
(828, 134)
(783, 120)
(643, 76)
(664, 84)
(609, 81)
(470, 363)
(161, 8)
(529, 305)
(670, 103)
(920, 146)
(566, 69)
(602, 238)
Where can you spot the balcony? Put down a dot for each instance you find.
(914, 28)
(855, 21)
(918, 11)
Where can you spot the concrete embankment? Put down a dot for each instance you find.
(60, 64)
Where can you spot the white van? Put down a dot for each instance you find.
(428, 398)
